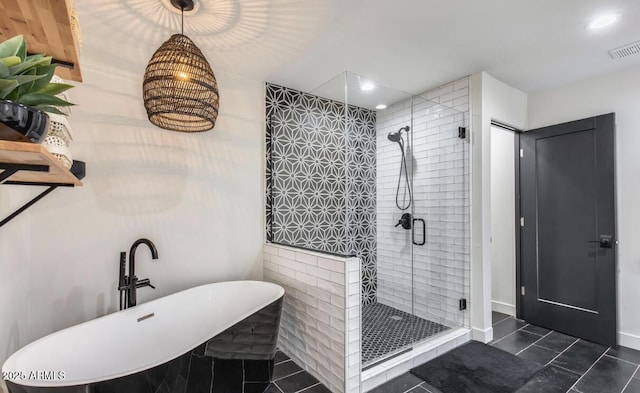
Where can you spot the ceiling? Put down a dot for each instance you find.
(409, 45)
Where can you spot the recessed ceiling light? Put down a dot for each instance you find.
(366, 85)
(381, 106)
(603, 21)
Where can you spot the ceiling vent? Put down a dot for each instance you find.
(624, 51)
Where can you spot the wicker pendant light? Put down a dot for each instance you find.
(180, 91)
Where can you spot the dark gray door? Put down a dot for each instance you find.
(568, 234)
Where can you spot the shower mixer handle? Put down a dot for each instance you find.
(405, 221)
(408, 222)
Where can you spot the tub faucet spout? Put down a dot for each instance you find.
(128, 285)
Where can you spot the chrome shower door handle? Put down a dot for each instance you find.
(424, 232)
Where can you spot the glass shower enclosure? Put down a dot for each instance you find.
(360, 169)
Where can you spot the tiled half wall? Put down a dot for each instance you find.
(320, 323)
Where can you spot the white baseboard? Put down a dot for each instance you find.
(629, 340)
(504, 308)
(484, 336)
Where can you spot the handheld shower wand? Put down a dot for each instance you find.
(397, 137)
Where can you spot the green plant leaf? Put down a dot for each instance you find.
(10, 61)
(50, 109)
(28, 64)
(11, 46)
(22, 50)
(13, 96)
(24, 79)
(55, 88)
(7, 86)
(27, 84)
(47, 73)
(34, 57)
(35, 99)
(4, 71)
(24, 83)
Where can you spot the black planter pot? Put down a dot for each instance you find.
(22, 123)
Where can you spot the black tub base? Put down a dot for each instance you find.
(190, 373)
(238, 360)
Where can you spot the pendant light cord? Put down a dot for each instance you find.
(182, 21)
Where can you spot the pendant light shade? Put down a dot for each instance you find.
(180, 91)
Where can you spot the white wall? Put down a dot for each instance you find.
(198, 197)
(490, 100)
(503, 231)
(618, 92)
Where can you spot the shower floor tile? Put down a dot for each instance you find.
(386, 330)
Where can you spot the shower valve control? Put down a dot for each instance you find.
(405, 221)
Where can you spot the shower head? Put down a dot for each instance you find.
(396, 136)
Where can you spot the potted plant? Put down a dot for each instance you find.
(26, 92)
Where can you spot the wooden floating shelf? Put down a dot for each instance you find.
(35, 154)
(46, 25)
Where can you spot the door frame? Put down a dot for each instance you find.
(518, 261)
(518, 245)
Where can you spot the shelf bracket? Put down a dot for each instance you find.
(10, 169)
(28, 205)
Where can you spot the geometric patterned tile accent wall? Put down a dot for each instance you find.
(361, 190)
(321, 177)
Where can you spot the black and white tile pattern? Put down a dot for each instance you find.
(361, 192)
(321, 177)
(386, 330)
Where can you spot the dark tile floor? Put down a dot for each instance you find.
(571, 365)
(288, 377)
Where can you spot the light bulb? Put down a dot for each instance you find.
(603, 21)
(366, 85)
(183, 76)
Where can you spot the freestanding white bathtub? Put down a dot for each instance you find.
(150, 336)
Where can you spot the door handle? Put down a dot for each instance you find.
(424, 232)
(605, 241)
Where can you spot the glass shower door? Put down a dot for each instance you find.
(441, 200)
(387, 270)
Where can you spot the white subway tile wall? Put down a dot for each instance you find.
(320, 324)
(353, 285)
(438, 276)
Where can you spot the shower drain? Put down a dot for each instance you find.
(396, 317)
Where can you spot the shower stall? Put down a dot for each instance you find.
(358, 169)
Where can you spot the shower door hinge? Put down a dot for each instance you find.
(463, 304)
(521, 221)
(462, 132)
(521, 153)
(522, 291)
